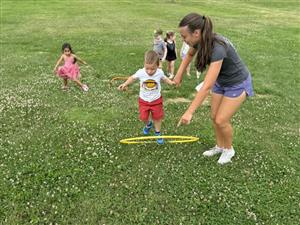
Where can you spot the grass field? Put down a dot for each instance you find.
(60, 157)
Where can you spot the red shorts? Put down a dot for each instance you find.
(155, 107)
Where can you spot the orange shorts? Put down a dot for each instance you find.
(155, 107)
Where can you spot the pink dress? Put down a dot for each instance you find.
(69, 70)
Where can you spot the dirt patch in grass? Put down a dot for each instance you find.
(263, 96)
(177, 100)
(206, 101)
(186, 100)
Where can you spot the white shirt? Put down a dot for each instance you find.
(184, 49)
(150, 87)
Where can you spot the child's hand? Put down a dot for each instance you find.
(122, 87)
(177, 81)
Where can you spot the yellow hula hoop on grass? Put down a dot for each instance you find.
(111, 82)
(117, 78)
(141, 140)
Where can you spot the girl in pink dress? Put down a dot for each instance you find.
(70, 70)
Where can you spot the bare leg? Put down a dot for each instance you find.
(65, 83)
(226, 110)
(78, 82)
(169, 68)
(188, 68)
(172, 66)
(157, 125)
(216, 100)
(160, 64)
(149, 119)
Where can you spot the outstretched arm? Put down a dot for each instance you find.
(210, 79)
(187, 60)
(165, 52)
(168, 81)
(129, 81)
(58, 62)
(80, 60)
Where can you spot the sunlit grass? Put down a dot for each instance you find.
(61, 161)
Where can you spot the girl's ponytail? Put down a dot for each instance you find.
(194, 21)
(207, 39)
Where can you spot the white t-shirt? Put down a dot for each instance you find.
(184, 49)
(150, 87)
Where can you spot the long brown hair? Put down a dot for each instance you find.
(195, 21)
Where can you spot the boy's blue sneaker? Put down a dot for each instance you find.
(147, 128)
(159, 140)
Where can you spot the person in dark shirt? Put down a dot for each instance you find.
(171, 52)
(227, 77)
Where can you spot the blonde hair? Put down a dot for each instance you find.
(151, 57)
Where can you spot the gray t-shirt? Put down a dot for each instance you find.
(159, 47)
(233, 70)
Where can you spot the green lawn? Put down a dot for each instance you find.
(60, 157)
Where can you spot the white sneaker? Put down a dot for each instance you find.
(85, 88)
(226, 156)
(213, 151)
(171, 76)
(199, 86)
